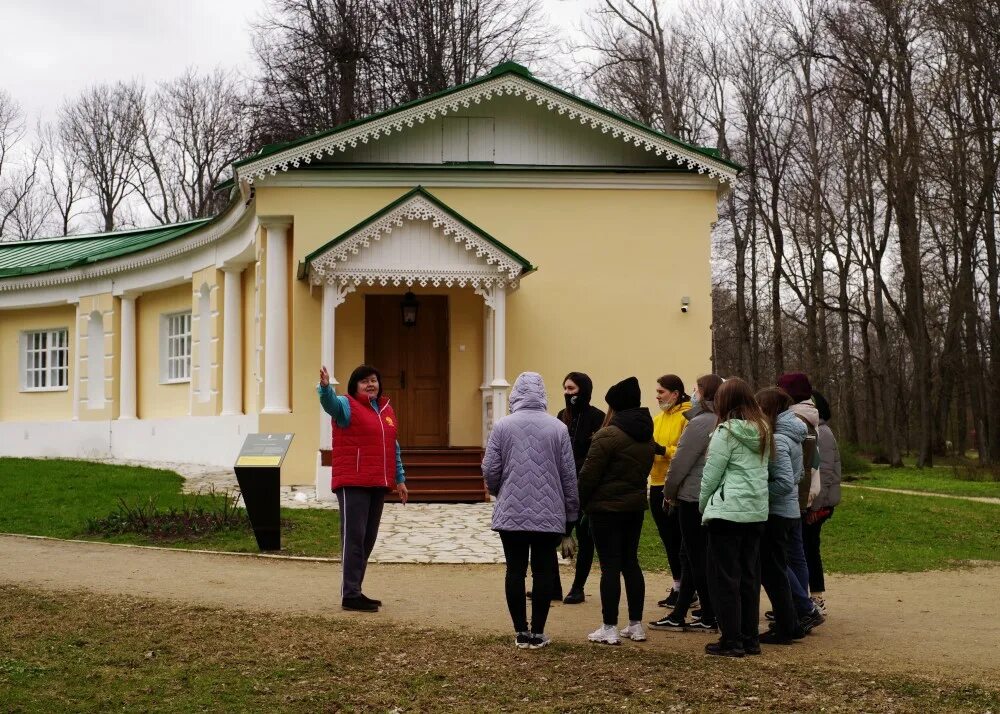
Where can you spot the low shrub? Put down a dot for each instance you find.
(976, 472)
(198, 516)
(851, 460)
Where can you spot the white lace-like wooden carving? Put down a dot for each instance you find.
(509, 85)
(492, 267)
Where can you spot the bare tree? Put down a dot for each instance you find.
(102, 127)
(315, 65)
(63, 179)
(430, 45)
(18, 174)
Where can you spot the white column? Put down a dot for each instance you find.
(500, 384)
(276, 399)
(126, 400)
(232, 342)
(76, 367)
(333, 296)
(486, 389)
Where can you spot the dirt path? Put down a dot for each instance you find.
(908, 492)
(943, 624)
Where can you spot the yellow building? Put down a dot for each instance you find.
(453, 242)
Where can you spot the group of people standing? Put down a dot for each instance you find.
(738, 484)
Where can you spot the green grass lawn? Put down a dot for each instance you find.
(870, 532)
(56, 497)
(939, 479)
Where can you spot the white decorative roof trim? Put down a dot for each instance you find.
(509, 85)
(495, 267)
(112, 266)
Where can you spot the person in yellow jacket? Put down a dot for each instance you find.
(667, 427)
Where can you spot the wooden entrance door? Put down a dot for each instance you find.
(414, 364)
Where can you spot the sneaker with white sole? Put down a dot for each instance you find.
(668, 623)
(522, 640)
(700, 624)
(820, 603)
(538, 640)
(633, 632)
(605, 634)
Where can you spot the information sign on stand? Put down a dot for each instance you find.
(258, 471)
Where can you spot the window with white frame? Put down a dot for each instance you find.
(45, 360)
(175, 347)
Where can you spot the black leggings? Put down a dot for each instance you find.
(814, 559)
(774, 572)
(584, 553)
(518, 548)
(616, 537)
(668, 525)
(694, 557)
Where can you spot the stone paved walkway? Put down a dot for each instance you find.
(415, 533)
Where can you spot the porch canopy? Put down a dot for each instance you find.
(434, 246)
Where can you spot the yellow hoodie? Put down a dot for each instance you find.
(667, 428)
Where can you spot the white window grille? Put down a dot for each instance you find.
(177, 340)
(45, 357)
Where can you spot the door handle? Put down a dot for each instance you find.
(402, 379)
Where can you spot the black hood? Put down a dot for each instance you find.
(586, 385)
(637, 423)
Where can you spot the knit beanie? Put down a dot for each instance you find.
(624, 395)
(797, 385)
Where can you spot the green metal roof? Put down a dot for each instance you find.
(526, 267)
(502, 69)
(39, 256)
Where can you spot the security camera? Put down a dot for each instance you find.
(685, 303)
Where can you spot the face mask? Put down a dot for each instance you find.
(571, 400)
(694, 400)
(666, 406)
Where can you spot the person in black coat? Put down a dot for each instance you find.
(582, 419)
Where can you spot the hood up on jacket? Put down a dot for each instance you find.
(586, 393)
(528, 393)
(702, 407)
(637, 423)
(744, 432)
(791, 426)
(808, 411)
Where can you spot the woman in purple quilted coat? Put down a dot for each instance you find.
(529, 467)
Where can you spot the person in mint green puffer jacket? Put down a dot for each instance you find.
(734, 505)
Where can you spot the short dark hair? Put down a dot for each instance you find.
(363, 372)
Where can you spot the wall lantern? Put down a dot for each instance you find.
(409, 308)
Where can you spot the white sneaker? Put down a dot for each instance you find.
(538, 641)
(605, 634)
(820, 603)
(634, 632)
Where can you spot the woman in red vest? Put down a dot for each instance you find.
(366, 466)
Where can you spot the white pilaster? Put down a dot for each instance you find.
(232, 342)
(333, 296)
(126, 401)
(485, 388)
(76, 366)
(276, 391)
(496, 300)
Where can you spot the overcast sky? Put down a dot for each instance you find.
(51, 49)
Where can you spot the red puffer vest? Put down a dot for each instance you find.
(364, 454)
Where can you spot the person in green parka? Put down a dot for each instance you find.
(734, 507)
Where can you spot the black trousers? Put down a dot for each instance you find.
(814, 559)
(694, 555)
(584, 552)
(616, 538)
(668, 525)
(774, 572)
(520, 547)
(360, 515)
(734, 578)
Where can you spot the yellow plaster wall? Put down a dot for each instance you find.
(210, 404)
(109, 307)
(156, 400)
(16, 405)
(612, 268)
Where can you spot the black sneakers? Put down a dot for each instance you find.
(668, 623)
(751, 645)
(725, 649)
(699, 624)
(574, 597)
(359, 604)
(813, 619)
(377, 603)
(771, 637)
(522, 640)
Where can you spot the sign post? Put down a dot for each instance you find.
(258, 471)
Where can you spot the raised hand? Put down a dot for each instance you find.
(324, 377)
